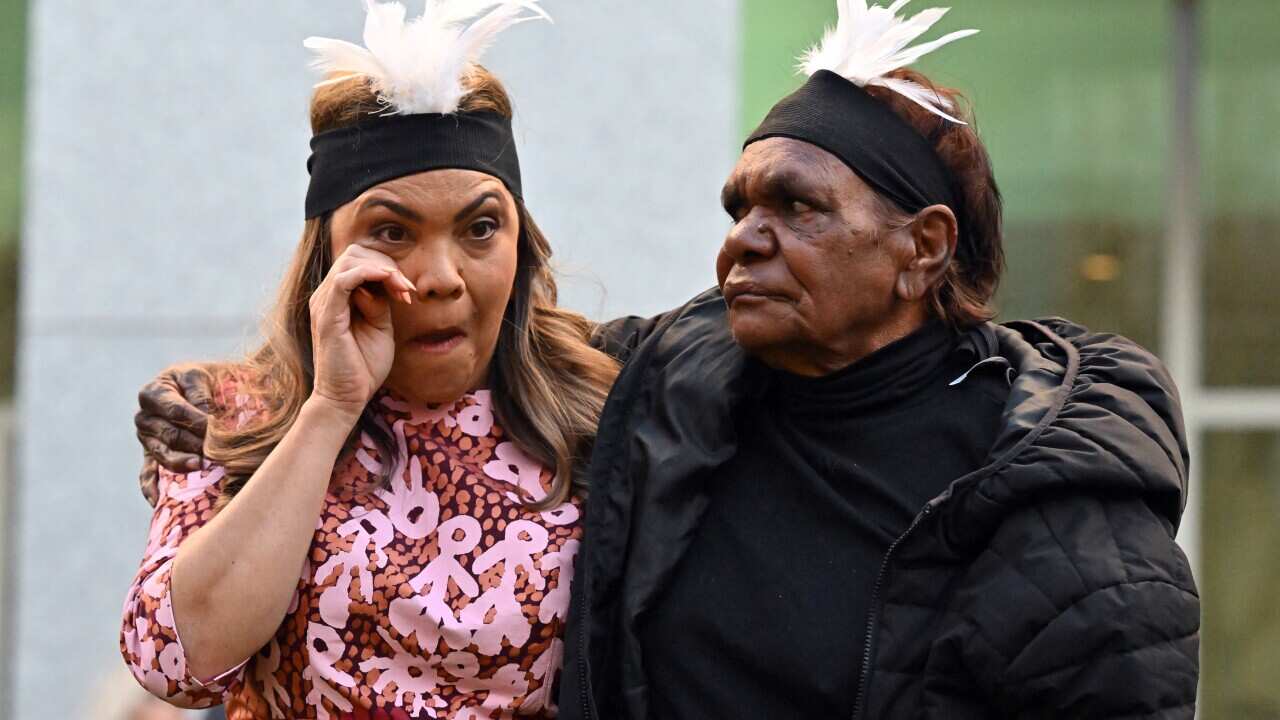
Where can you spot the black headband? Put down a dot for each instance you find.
(875, 142)
(350, 160)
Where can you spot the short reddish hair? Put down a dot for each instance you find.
(966, 295)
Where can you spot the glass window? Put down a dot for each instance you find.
(1239, 582)
(1240, 111)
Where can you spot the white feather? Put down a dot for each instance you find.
(918, 94)
(869, 42)
(417, 66)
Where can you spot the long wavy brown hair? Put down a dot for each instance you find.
(549, 383)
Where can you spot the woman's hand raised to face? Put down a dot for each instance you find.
(352, 340)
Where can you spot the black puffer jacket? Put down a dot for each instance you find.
(1045, 584)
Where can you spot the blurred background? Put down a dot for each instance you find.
(151, 182)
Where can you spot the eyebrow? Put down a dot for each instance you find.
(391, 205)
(775, 184)
(787, 182)
(731, 194)
(475, 205)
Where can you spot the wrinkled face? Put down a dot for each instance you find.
(454, 234)
(807, 270)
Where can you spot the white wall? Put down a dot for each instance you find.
(165, 174)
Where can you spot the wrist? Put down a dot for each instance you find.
(324, 413)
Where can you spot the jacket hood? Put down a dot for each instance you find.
(1088, 413)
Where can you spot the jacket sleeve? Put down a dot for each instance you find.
(619, 338)
(1091, 612)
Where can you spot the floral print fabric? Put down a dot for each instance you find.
(440, 596)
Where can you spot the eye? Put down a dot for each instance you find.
(391, 234)
(482, 229)
(800, 208)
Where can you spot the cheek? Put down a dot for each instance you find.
(490, 284)
(841, 274)
(857, 280)
(724, 264)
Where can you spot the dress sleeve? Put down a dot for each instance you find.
(149, 636)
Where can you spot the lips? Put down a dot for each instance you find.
(750, 292)
(438, 341)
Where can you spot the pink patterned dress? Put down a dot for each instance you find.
(438, 597)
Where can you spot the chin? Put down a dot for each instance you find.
(758, 335)
(432, 382)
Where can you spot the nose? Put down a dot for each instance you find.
(751, 238)
(435, 271)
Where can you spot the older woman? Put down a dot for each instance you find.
(832, 488)
(383, 524)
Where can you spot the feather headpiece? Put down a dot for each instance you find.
(417, 66)
(869, 42)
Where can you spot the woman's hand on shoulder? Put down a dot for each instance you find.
(353, 344)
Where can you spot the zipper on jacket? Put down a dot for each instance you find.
(584, 689)
(873, 615)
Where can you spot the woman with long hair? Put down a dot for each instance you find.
(383, 524)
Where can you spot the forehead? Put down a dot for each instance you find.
(785, 159)
(780, 154)
(437, 188)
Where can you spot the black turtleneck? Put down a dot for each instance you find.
(766, 613)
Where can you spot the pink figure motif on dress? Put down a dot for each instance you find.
(413, 508)
(422, 416)
(429, 613)
(264, 672)
(368, 527)
(367, 459)
(523, 539)
(321, 690)
(324, 649)
(152, 679)
(477, 420)
(503, 687)
(555, 604)
(414, 677)
(197, 483)
(566, 514)
(518, 469)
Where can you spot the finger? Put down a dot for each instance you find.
(196, 384)
(356, 255)
(164, 400)
(348, 280)
(335, 300)
(148, 480)
(178, 462)
(395, 287)
(407, 284)
(172, 436)
(374, 309)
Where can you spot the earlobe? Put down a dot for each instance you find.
(934, 233)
